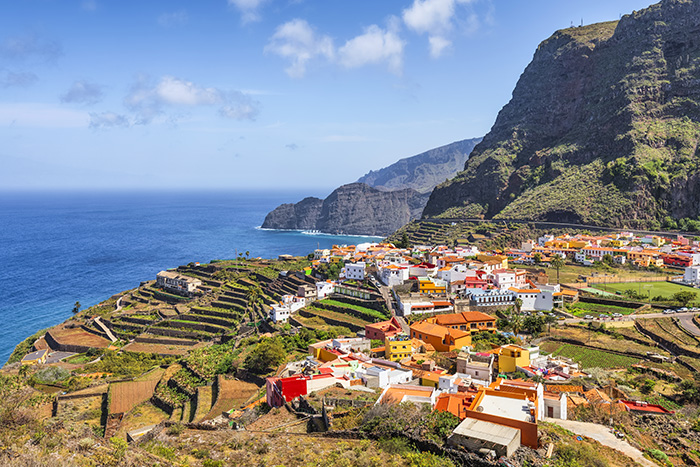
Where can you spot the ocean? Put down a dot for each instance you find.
(58, 248)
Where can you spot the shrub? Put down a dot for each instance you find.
(176, 429)
(658, 455)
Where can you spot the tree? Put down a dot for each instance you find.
(534, 324)
(537, 257)
(608, 259)
(684, 297)
(558, 262)
(267, 354)
(253, 297)
(76, 307)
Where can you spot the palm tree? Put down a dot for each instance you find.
(558, 262)
(76, 307)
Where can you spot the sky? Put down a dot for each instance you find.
(266, 94)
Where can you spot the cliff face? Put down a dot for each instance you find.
(353, 209)
(424, 171)
(602, 128)
(381, 201)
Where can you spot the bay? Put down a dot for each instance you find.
(57, 248)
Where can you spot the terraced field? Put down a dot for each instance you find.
(588, 358)
(666, 328)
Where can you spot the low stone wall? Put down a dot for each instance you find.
(212, 320)
(147, 340)
(377, 304)
(193, 325)
(234, 300)
(55, 345)
(671, 347)
(612, 302)
(172, 332)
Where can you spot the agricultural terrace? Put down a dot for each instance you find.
(627, 340)
(651, 289)
(668, 329)
(126, 395)
(580, 309)
(571, 273)
(588, 358)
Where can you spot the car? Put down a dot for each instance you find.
(682, 309)
(588, 317)
(668, 312)
(617, 315)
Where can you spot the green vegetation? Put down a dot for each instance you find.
(267, 354)
(378, 315)
(583, 308)
(127, 363)
(24, 347)
(588, 358)
(645, 289)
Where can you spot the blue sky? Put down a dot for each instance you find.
(239, 94)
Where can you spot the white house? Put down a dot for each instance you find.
(324, 288)
(544, 298)
(355, 271)
(280, 312)
(393, 274)
(178, 283)
(493, 297)
(503, 278)
(692, 275)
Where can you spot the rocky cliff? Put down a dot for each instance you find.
(602, 128)
(381, 201)
(424, 171)
(353, 209)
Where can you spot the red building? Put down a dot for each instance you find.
(381, 331)
(281, 390)
(677, 260)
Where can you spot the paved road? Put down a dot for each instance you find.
(686, 320)
(390, 303)
(602, 434)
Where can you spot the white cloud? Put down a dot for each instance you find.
(148, 100)
(30, 46)
(298, 42)
(429, 16)
(375, 46)
(83, 92)
(437, 19)
(437, 45)
(248, 8)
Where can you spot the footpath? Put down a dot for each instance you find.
(602, 434)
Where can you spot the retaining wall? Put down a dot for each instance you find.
(331, 321)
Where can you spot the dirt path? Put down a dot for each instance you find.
(602, 434)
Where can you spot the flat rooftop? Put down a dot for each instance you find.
(506, 407)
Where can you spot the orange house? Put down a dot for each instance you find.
(473, 321)
(442, 338)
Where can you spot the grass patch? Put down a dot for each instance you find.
(582, 308)
(366, 311)
(654, 289)
(588, 358)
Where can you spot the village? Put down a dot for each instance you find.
(493, 338)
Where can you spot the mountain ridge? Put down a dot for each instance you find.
(602, 128)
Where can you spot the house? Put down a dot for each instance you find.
(543, 298)
(396, 394)
(281, 390)
(473, 321)
(455, 403)
(178, 283)
(397, 347)
(324, 289)
(493, 297)
(35, 358)
(443, 339)
(380, 331)
(280, 312)
(307, 291)
(355, 271)
(431, 286)
(692, 275)
(392, 274)
(381, 376)
(479, 366)
(511, 356)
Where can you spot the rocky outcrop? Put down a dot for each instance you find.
(603, 128)
(353, 209)
(303, 215)
(424, 171)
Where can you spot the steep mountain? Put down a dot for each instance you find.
(602, 128)
(353, 209)
(424, 171)
(381, 201)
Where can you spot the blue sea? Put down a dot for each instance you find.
(59, 248)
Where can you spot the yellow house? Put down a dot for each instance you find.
(577, 244)
(427, 286)
(35, 358)
(502, 258)
(511, 356)
(398, 347)
(557, 243)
